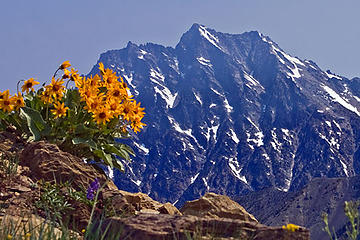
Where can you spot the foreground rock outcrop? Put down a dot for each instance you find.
(133, 215)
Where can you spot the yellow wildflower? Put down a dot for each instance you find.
(46, 95)
(83, 231)
(64, 65)
(6, 102)
(291, 227)
(18, 101)
(9, 237)
(66, 74)
(127, 110)
(101, 68)
(87, 92)
(27, 236)
(118, 93)
(109, 78)
(29, 84)
(60, 110)
(93, 81)
(137, 125)
(102, 115)
(114, 107)
(56, 88)
(138, 111)
(92, 103)
(74, 75)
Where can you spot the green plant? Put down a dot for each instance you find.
(27, 228)
(86, 120)
(52, 201)
(8, 163)
(352, 213)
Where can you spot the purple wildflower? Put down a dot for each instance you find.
(92, 189)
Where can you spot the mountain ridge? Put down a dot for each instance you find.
(232, 114)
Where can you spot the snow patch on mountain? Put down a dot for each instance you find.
(258, 140)
(166, 95)
(208, 36)
(142, 148)
(344, 168)
(252, 80)
(137, 182)
(340, 100)
(198, 98)
(192, 180)
(227, 106)
(204, 61)
(233, 136)
(330, 75)
(156, 76)
(236, 169)
(179, 129)
(142, 54)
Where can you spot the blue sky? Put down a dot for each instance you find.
(36, 36)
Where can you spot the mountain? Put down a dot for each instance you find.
(305, 207)
(234, 114)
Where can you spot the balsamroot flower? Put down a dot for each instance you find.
(64, 65)
(102, 115)
(291, 227)
(18, 101)
(29, 85)
(60, 110)
(56, 88)
(92, 189)
(6, 103)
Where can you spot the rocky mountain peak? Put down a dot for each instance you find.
(234, 113)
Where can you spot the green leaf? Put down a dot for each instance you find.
(127, 149)
(106, 157)
(72, 98)
(88, 142)
(36, 124)
(3, 115)
(117, 151)
(118, 164)
(83, 131)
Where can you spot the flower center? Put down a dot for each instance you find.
(113, 107)
(56, 88)
(29, 85)
(102, 115)
(6, 102)
(116, 93)
(93, 105)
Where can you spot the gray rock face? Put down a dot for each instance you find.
(233, 114)
(305, 207)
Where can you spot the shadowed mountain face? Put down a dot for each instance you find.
(233, 114)
(305, 207)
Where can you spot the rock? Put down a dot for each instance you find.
(19, 189)
(216, 206)
(127, 204)
(170, 209)
(46, 161)
(137, 215)
(161, 226)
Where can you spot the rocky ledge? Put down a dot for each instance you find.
(134, 215)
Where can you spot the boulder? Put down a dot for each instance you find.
(216, 206)
(47, 162)
(126, 203)
(163, 226)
